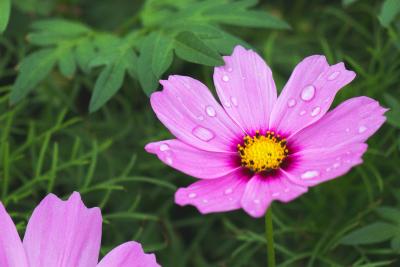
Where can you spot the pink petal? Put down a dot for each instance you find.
(246, 89)
(63, 233)
(188, 109)
(216, 195)
(12, 252)
(316, 166)
(352, 121)
(129, 254)
(308, 94)
(192, 161)
(261, 191)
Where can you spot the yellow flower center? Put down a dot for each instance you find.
(263, 152)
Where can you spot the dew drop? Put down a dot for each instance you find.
(302, 113)
(192, 195)
(347, 130)
(210, 111)
(234, 101)
(203, 133)
(286, 190)
(333, 76)
(225, 78)
(315, 111)
(309, 174)
(291, 103)
(328, 169)
(256, 201)
(308, 93)
(336, 165)
(205, 201)
(362, 129)
(164, 147)
(169, 160)
(200, 118)
(228, 191)
(227, 104)
(275, 194)
(229, 69)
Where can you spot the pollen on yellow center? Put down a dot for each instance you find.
(263, 152)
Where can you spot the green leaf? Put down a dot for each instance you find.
(373, 233)
(393, 115)
(246, 18)
(348, 2)
(5, 9)
(60, 27)
(147, 78)
(67, 64)
(33, 69)
(107, 84)
(226, 43)
(389, 213)
(162, 54)
(390, 9)
(395, 243)
(189, 47)
(84, 53)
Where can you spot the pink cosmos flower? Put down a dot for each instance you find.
(64, 234)
(257, 147)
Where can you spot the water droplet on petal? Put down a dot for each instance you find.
(192, 195)
(164, 147)
(309, 174)
(328, 169)
(362, 129)
(169, 160)
(200, 118)
(302, 113)
(333, 76)
(347, 130)
(228, 191)
(286, 190)
(275, 194)
(225, 78)
(227, 104)
(230, 69)
(315, 111)
(256, 201)
(205, 201)
(203, 133)
(234, 101)
(210, 111)
(308, 93)
(336, 165)
(291, 103)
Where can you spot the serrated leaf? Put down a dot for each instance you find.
(67, 64)
(33, 69)
(245, 18)
(389, 213)
(5, 9)
(61, 27)
(147, 78)
(107, 84)
(162, 54)
(189, 47)
(390, 9)
(370, 234)
(226, 43)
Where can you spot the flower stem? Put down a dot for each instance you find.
(269, 234)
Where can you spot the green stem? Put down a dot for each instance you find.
(269, 234)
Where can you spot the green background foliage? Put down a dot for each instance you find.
(75, 76)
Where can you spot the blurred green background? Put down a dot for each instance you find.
(75, 76)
